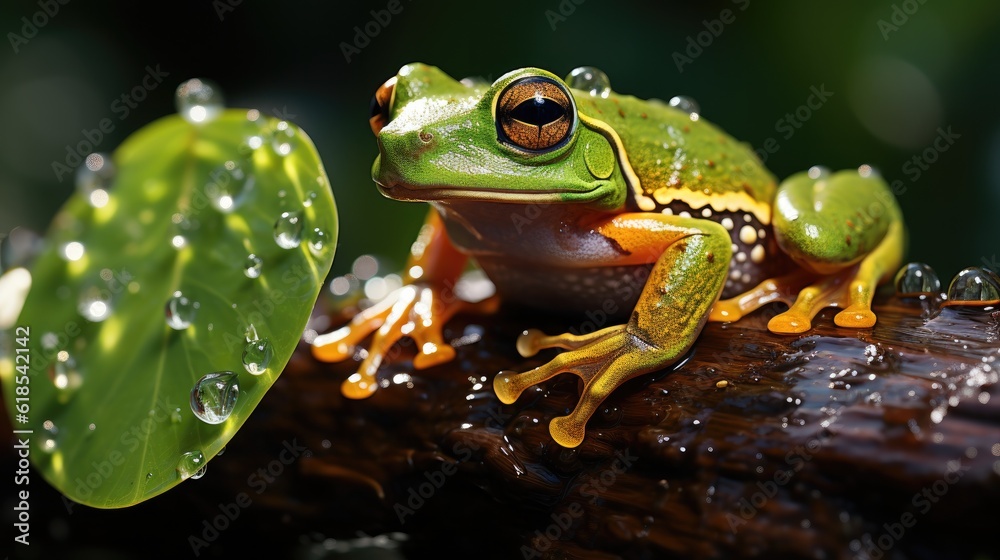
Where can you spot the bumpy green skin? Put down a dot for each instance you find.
(667, 148)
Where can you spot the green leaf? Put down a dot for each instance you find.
(110, 379)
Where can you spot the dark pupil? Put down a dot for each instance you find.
(538, 111)
(374, 109)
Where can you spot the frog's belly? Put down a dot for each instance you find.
(610, 291)
(607, 290)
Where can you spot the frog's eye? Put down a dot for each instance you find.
(535, 114)
(379, 110)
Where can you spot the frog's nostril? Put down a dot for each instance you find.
(381, 102)
(425, 136)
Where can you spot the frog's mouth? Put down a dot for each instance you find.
(397, 190)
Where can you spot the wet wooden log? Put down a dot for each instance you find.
(878, 443)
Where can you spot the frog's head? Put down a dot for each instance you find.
(520, 140)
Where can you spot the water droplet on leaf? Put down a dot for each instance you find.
(227, 187)
(252, 266)
(288, 230)
(591, 80)
(95, 177)
(317, 241)
(310, 197)
(180, 311)
(283, 138)
(917, 278)
(214, 396)
(94, 305)
(198, 100)
(191, 463)
(257, 355)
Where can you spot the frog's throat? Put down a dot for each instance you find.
(644, 202)
(725, 202)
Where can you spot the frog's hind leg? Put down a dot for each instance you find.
(878, 266)
(846, 234)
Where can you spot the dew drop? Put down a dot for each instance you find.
(191, 465)
(95, 177)
(310, 197)
(63, 372)
(214, 396)
(283, 138)
(257, 356)
(974, 285)
(198, 100)
(917, 278)
(149, 475)
(589, 79)
(686, 104)
(175, 416)
(252, 266)
(180, 311)
(288, 230)
(221, 451)
(227, 187)
(317, 241)
(94, 305)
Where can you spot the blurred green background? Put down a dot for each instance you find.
(899, 72)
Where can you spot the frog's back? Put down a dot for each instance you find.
(680, 158)
(687, 166)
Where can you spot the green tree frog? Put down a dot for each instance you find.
(566, 193)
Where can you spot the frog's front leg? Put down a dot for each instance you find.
(691, 259)
(846, 233)
(418, 310)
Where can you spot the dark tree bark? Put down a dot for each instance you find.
(879, 443)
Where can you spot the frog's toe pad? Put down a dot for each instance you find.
(359, 386)
(432, 354)
(529, 343)
(725, 311)
(567, 431)
(507, 386)
(856, 317)
(789, 322)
